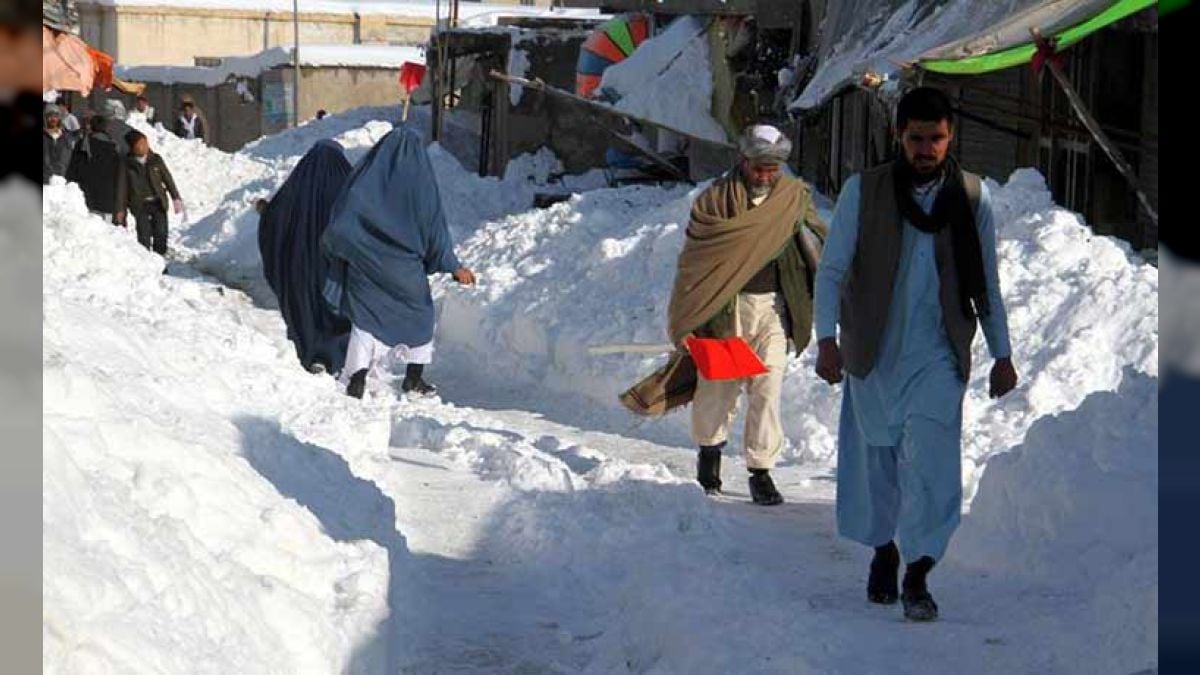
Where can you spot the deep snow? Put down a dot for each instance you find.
(208, 505)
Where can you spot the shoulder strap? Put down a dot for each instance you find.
(974, 188)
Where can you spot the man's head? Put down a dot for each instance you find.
(98, 124)
(142, 103)
(189, 109)
(115, 109)
(925, 125)
(53, 117)
(763, 150)
(139, 145)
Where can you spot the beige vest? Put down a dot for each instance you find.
(867, 289)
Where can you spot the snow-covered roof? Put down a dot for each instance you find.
(880, 35)
(354, 56)
(469, 13)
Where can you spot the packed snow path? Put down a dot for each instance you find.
(210, 506)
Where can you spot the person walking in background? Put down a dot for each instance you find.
(95, 166)
(146, 190)
(57, 145)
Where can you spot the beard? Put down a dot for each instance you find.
(758, 190)
(924, 176)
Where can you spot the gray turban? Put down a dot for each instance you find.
(762, 141)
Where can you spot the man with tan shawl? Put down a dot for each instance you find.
(746, 270)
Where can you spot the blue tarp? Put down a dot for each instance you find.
(289, 239)
(387, 235)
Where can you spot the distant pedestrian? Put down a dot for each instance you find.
(95, 164)
(191, 124)
(56, 145)
(143, 187)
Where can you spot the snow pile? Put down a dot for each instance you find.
(219, 231)
(1075, 508)
(163, 547)
(598, 270)
(205, 500)
(668, 80)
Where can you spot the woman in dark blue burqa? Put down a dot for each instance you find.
(289, 239)
(387, 235)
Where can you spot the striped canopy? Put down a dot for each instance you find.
(612, 42)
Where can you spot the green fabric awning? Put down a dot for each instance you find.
(1021, 54)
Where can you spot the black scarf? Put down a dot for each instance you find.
(953, 208)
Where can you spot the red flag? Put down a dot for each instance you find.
(728, 359)
(411, 75)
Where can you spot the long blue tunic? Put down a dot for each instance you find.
(899, 441)
(388, 233)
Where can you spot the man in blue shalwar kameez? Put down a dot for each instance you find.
(908, 272)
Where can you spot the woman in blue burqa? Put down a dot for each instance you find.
(387, 235)
(289, 239)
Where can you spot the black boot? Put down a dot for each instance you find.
(358, 384)
(883, 583)
(708, 468)
(414, 383)
(762, 488)
(918, 603)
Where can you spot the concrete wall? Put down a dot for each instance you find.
(339, 89)
(176, 35)
(234, 121)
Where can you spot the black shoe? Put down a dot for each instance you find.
(418, 386)
(358, 384)
(762, 489)
(414, 383)
(918, 603)
(919, 606)
(708, 468)
(883, 586)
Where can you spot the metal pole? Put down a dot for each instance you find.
(295, 63)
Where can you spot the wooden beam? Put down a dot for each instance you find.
(539, 85)
(1093, 126)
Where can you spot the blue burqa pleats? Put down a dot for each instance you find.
(387, 235)
(289, 240)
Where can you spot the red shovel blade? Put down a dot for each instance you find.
(728, 359)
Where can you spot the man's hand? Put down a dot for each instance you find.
(829, 361)
(464, 276)
(682, 343)
(119, 218)
(1003, 378)
(178, 205)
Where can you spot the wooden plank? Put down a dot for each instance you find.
(539, 85)
(1093, 126)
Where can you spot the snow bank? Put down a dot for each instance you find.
(207, 501)
(598, 270)
(668, 79)
(163, 548)
(219, 233)
(1075, 508)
